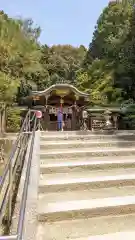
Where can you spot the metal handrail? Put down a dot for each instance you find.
(25, 190)
(12, 237)
(13, 151)
(12, 168)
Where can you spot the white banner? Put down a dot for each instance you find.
(66, 110)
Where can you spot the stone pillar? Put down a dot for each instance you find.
(115, 119)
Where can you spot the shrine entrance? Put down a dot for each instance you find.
(53, 118)
(60, 97)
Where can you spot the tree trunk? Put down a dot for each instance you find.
(3, 120)
(0, 122)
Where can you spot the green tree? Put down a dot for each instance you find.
(109, 68)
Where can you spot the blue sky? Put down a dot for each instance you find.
(61, 21)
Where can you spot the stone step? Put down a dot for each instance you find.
(45, 198)
(86, 228)
(86, 180)
(73, 230)
(88, 132)
(86, 152)
(90, 137)
(111, 236)
(91, 164)
(81, 132)
(85, 159)
(87, 144)
(58, 211)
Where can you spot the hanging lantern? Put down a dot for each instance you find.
(38, 114)
(76, 97)
(75, 105)
(61, 101)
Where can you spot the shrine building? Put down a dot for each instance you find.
(59, 96)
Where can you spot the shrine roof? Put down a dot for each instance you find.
(103, 109)
(60, 86)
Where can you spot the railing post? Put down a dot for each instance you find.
(10, 192)
(29, 119)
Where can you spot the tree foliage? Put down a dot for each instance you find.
(61, 62)
(106, 69)
(110, 59)
(19, 56)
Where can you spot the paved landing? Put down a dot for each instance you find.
(113, 236)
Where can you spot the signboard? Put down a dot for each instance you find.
(98, 124)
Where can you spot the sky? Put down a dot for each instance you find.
(61, 21)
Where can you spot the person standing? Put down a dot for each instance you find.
(60, 120)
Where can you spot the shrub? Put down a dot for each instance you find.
(13, 119)
(129, 116)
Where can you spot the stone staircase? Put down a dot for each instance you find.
(86, 186)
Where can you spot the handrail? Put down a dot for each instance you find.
(19, 149)
(25, 190)
(13, 150)
(12, 237)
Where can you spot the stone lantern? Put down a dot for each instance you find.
(107, 116)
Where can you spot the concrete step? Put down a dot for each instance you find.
(86, 180)
(111, 236)
(58, 211)
(82, 165)
(88, 132)
(84, 159)
(87, 144)
(102, 228)
(90, 137)
(82, 132)
(86, 152)
(45, 198)
(88, 227)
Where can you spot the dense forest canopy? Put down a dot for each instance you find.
(106, 69)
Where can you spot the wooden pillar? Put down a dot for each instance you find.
(75, 113)
(47, 120)
(90, 122)
(61, 108)
(115, 119)
(73, 118)
(77, 119)
(46, 114)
